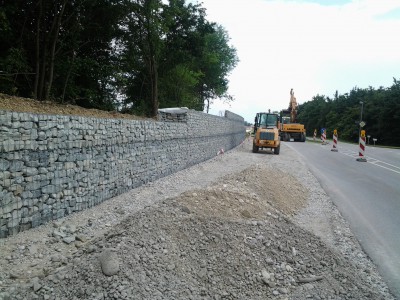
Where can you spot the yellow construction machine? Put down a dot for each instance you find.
(289, 128)
(266, 132)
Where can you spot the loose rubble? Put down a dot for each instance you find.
(239, 226)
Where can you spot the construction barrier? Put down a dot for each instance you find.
(362, 147)
(335, 139)
(324, 137)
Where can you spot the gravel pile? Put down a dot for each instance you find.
(239, 226)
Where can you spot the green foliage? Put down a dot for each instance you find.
(381, 112)
(217, 61)
(14, 71)
(131, 55)
(178, 87)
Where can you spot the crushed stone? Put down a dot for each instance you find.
(238, 226)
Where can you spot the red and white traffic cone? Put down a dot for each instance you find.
(334, 146)
(221, 151)
(362, 149)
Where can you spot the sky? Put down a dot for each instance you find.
(316, 47)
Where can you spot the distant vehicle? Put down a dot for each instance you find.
(266, 132)
(289, 128)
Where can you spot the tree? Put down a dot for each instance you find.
(217, 60)
(143, 44)
(111, 54)
(53, 43)
(179, 75)
(381, 113)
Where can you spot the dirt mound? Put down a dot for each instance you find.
(250, 194)
(230, 240)
(19, 104)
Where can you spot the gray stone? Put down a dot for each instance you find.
(33, 249)
(91, 248)
(109, 262)
(32, 186)
(283, 291)
(35, 284)
(69, 239)
(289, 268)
(16, 166)
(4, 164)
(59, 233)
(81, 238)
(70, 228)
(57, 258)
(308, 286)
(8, 145)
(266, 277)
(31, 171)
(51, 189)
(170, 267)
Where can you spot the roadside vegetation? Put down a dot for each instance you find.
(129, 56)
(381, 113)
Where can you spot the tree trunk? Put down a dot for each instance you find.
(154, 87)
(68, 75)
(42, 71)
(37, 67)
(57, 22)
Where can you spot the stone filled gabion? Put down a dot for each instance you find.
(53, 165)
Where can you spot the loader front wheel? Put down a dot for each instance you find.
(255, 148)
(277, 150)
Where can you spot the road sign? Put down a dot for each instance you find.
(362, 124)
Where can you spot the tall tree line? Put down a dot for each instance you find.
(381, 113)
(130, 55)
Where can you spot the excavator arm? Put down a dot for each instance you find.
(293, 107)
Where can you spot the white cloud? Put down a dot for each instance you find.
(311, 48)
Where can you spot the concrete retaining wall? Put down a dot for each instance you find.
(52, 166)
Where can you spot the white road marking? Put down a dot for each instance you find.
(372, 160)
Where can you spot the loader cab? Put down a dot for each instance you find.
(265, 120)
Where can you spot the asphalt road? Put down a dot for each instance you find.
(368, 196)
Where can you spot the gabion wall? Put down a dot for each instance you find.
(52, 165)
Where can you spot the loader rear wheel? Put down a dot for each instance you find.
(255, 148)
(277, 150)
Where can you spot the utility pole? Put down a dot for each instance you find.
(361, 122)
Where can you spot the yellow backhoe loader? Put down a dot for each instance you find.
(266, 132)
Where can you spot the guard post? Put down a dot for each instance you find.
(362, 147)
(335, 139)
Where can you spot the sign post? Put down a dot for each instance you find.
(323, 136)
(362, 147)
(335, 139)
